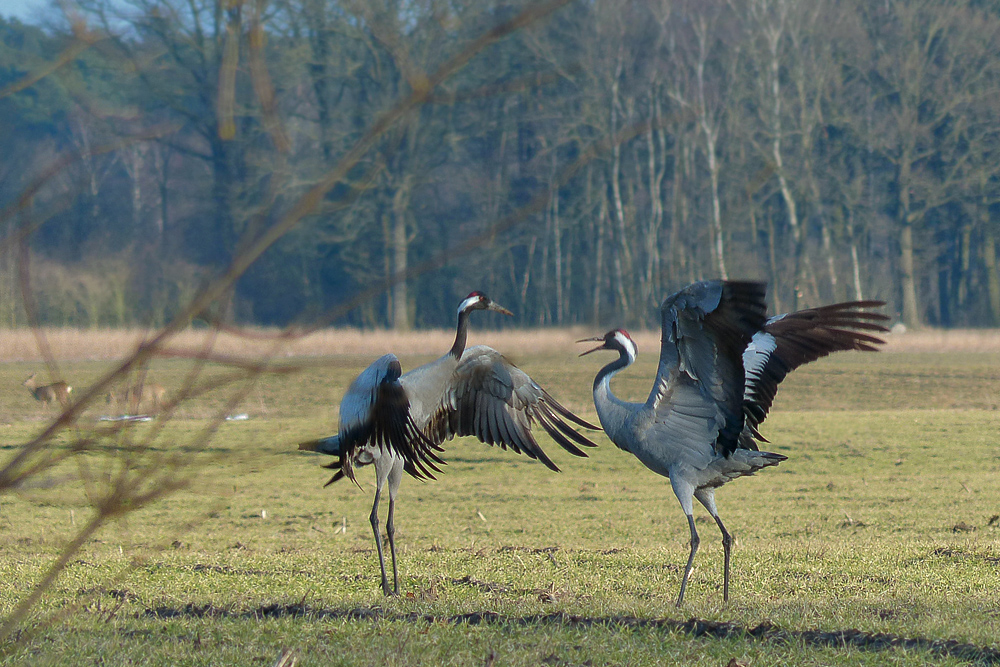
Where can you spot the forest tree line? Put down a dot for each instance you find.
(838, 149)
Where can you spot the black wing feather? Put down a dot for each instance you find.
(789, 341)
(706, 327)
(496, 402)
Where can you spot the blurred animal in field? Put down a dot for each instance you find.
(721, 361)
(57, 391)
(397, 421)
(134, 397)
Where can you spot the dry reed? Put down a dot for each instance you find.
(107, 344)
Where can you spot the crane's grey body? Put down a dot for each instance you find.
(398, 421)
(721, 361)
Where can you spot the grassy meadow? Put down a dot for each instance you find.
(877, 542)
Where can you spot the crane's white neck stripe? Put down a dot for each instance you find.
(468, 303)
(628, 345)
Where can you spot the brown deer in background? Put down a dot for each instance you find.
(57, 391)
(131, 397)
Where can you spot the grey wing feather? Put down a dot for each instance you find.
(793, 339)
(706, 327)
(330, 445)
(375, 411)
(687, 424)
(496, 402)
(357, 405)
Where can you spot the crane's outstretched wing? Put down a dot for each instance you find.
(697, 397)
(790, 340)
(375, 412)
(493, 400)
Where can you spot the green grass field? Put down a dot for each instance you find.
(883, 521)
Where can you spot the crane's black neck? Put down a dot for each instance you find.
(606, 373)
(461, 335)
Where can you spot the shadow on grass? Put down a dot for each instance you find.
(855, 639)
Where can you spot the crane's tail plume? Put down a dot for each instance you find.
(329, 445)
(743, 462)
(339, 466)
(332, 445)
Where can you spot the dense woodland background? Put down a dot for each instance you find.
(836, 148)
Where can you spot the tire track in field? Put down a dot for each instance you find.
(694, 627)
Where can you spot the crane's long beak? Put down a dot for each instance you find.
(589, 340)
(497, 308)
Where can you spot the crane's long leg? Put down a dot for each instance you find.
(381, 472)
(707, 498)
(395, 476)
(378, 542)
(695, 541)
(684, 491)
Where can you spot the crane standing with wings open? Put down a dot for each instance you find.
(721, 360)
(398, 421)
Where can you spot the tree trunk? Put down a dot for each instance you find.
(908, 285)
(223, 200)
(964, 264)
(661, 140)
(162, 164)
(718, 243)
(847, 214)
(992, 277)
(400, 248)
(557, 260)
(557, 250)
(803, 267)
(319, 40)
(526, 279)
(856, 265)
(773, 262)
(655, 212)
(711, 134)
(543, 297)
(132, 160)
(678, 258)
(623, 256)
(597, 234)
(831, 264)
(908, 282)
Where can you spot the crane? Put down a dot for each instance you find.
(721, 360)
(398, 421)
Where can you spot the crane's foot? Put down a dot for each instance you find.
(387, 590)
(684, 585)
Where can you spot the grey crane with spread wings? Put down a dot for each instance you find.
(398, 421)
(721, 360)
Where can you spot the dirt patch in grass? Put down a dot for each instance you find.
(962, 555)
(695, 627)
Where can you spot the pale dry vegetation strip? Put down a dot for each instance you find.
(104, 344)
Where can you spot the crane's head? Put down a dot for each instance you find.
(479, 301)
(617, 340)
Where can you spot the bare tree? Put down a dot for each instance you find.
(701, 33)
(924, 77)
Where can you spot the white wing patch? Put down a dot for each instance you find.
(755, 357)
